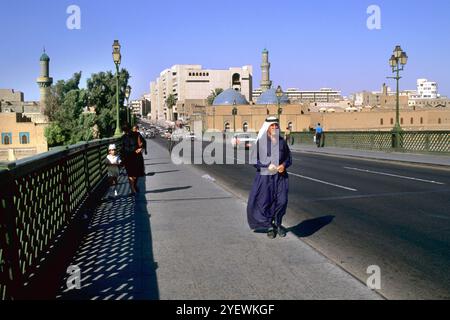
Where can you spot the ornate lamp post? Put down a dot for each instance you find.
(117, 57)
(128, 109)
(234, 112)
(397, 61)
(279, 94)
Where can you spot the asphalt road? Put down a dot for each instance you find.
(362, 213)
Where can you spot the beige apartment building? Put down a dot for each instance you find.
(20, 136)
(191, 83)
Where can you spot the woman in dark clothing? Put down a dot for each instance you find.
(268, 198)
(132, 147)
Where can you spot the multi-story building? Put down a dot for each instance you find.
(298, 96)
(141, 107)
(192, 82)
(427, 89)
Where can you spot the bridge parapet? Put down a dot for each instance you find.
(40, 197)
(410, 141)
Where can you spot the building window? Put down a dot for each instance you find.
(421, 120)
(7, 138)
(381, 121)
(24, 137)
(401, 120)
(392, 120)
(439, 121)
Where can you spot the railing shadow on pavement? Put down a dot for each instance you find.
(309, 227)
(115, 258)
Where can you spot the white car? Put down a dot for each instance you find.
(243, 140)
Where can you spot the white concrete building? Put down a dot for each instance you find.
(427, 89)
(192, 82)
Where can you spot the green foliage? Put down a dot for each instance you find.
(213, 95)
(171, 101)
(54, 135)
(67, 104)
(101, 89)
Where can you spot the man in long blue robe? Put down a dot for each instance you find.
(268, 198)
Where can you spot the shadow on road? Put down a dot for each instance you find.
(309, 227)
(169, 189)
(159, 172)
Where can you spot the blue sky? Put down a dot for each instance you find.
(312, 44)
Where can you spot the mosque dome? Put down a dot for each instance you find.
(45, 57)
(270, 97)
(228, 97)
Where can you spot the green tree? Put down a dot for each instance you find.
(213, 95)
(171, 101)
(101, 89)
(55, 136)
(58, 93)
(66, 104)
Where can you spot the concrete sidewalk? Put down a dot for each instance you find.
(428, 159)
(185, 237)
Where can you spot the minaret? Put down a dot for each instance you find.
(265, 68)
(44, 81)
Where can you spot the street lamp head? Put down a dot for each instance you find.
(127, 92)
(393, 61)
(398, 52)
(404, 58)
(116, 52)
(279, 92)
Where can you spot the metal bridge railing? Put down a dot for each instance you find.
(39, 199)
(410, 141)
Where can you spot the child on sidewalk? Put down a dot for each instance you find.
(113, 162)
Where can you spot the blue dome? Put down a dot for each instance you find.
(228, 97)
(270, 97)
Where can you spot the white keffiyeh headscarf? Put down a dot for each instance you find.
(265, 127)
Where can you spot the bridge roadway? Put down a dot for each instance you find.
(186, 237)
(360, 212)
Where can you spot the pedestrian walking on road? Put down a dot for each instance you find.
(319, 134)
(132, 147)
(288, 136)
(144, 147)
(268, 198)
(113, 162)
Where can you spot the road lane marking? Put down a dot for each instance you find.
(377, 195)
(320, 181)
(393, 175)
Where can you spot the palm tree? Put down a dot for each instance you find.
(170, 102)
(213, 95)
